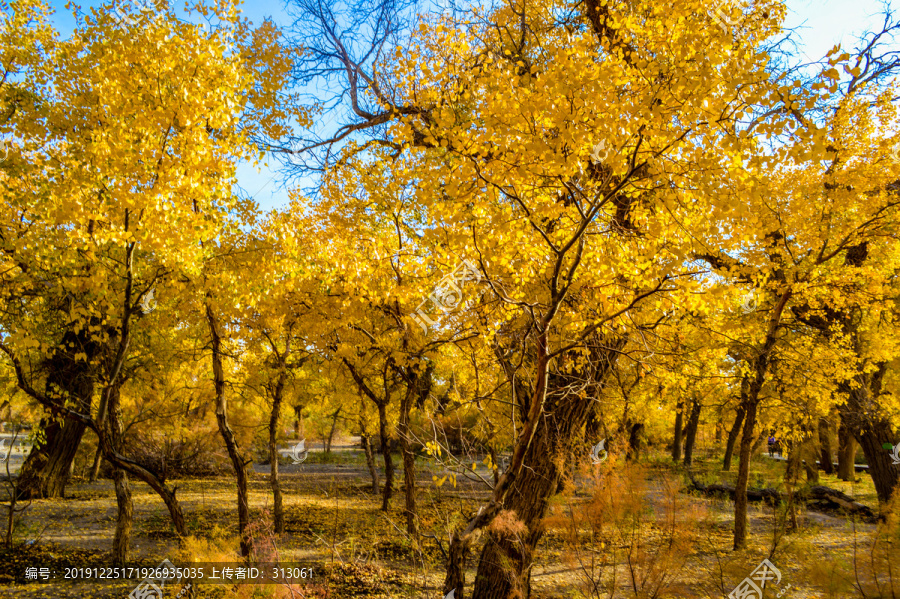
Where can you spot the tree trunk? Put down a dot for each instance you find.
(10, 521)
(791, 471)
(733, 436)
(124, 518)
(98, 455)
(456, 564)
(634, 441)
(825, 459)
(334, 419)
(109, 451)
(691, 432)
(409, 462)
(382, 404)
(743, 478)
(873, 431)
(95, 467)
(277, 502)
(125, 513)
(135, 469)
(418, 387)
(806, 451)
(884, 474)
(677, 440)
(846, 452)
(549, 435)
(750, 401)
(493, 454)
(237, 461)
(504, 568)
(812, 470)
(386, 453)
(370, 463)
(45, 472)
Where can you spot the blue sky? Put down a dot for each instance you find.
(821, 23)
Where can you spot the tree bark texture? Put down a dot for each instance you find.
(237, 461)
(45, 472)
(825, 452)
(678, 436)
(552, 432)
(274, 481)
(691, 432)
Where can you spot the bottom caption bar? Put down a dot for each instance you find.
(166, 573)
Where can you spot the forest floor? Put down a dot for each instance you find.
(648, 534)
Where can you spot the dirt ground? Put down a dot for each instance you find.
(334, 521)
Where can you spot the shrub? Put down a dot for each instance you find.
(190, 453)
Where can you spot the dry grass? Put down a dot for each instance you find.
(621, 531)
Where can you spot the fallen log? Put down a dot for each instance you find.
(817, 498)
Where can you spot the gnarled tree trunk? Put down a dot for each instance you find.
(691, 432)
(735, 428)
(275, 483)
(677, 437)
(418, 387)
(825, 453)
(750, 402)
(45, 472)
(846, 452)
(237, 461)
(505, 564)
(539, 461)
(867, 423)
(95, 466)
(409, 462)
(125, 513)
(334, 420)
(635, 434)
(386, 453)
